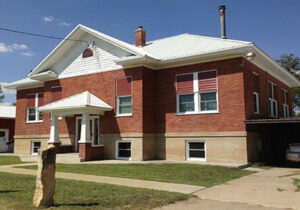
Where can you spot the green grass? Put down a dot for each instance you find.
(296, 182)
(194, 174)
(258, 165)
(16, 192)
(9, 160)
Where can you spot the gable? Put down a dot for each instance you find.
(73, 64)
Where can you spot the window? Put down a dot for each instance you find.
(36, 145)
(87, 53)
(124, 99)
(123, 150)
(285, 103)
(186, 103)
(34, 101)
(195, 150)
(124, 105)
(256, 102)
(208, 101)
(56, 93)
(273, 95)
(94, 130)
(197, 92)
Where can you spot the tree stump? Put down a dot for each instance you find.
(45, 180)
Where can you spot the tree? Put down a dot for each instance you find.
(292, 65)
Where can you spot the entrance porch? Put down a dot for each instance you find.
(87, 108)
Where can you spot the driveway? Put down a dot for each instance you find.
(269, 189)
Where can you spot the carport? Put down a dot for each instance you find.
(274, 137)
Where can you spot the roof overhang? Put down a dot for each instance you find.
(273, 121)
(77, 104)
(44, 76)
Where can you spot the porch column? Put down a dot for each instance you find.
(54, 132)
(85, 143)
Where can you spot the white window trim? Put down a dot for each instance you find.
(273, 100)
(32, 146)
(257, 103)
(286, 108)
(36, 112)
(118, 108)
(6, 134)
(76, 134)
(117, 150)
(187, 149)
(197, 102)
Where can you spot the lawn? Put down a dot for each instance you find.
(9, 160)
(194, 174)
(17, 193)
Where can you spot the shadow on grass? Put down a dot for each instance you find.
(76, 204)
(9, 191)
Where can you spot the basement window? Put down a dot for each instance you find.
(123, 150)
(196, 150)
(36, 145)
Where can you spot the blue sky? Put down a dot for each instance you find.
(273, 25)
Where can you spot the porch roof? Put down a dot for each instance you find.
(82, 102)
(272, 121)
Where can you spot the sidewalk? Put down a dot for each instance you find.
(171, 187)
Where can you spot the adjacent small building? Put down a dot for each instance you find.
(184, 97)
(7, 127)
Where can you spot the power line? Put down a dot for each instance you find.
(40, 35)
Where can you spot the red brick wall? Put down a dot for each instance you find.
(8, 124)
(230, 94)
(103, 86)
(263, 92)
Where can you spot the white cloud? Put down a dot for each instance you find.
(63, 23)
(28, 54)
(48, 19)
(5, 48)
(10, 48)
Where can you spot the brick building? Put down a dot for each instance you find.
(184, 97)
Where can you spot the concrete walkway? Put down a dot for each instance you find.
(270, 188)
(171, 187)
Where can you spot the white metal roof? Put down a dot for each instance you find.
(187, 45)
(78, 101)
(7, 111)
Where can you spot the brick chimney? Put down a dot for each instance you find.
(140, 36)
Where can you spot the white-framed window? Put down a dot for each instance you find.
(196, 150)
(35, 146)
(33, 102)
(4, 134)
(124, 105)
(285, 105)
(197, 92)
(123, 150)
(273, 106)
(124, 96)
(256, 102)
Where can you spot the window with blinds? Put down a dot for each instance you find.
(33, 101)
(197, 92)
(124, 98)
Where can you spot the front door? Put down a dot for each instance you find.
(94, 131)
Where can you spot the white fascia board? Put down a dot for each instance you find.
(187, 60)
(24, 85)
(276, 70)
(48, 75)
